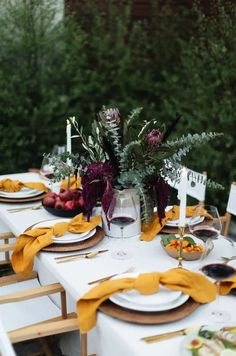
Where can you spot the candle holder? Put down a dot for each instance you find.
(181, 239)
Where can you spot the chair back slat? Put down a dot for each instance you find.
(231, 206)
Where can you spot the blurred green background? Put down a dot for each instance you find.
(181, 60)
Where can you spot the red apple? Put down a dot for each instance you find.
(49, 201)
(59, 204)
(52, 195)
(69, 205)
(79, 203)
(62, 190)
(75, 193)
(66, 195)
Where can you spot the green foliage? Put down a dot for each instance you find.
(51, 69)
(202, 88)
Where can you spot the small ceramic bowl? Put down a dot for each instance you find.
(188, 256)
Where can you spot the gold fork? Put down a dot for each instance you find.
(77, 256)
(169, 335)
(16, 210)
(110, 276)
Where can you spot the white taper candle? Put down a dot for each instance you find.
(182, 195)
(68, 136)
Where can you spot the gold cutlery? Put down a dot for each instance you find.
(169, 335)
(228, 259)
(16, 210)
(110, 276)
(78, 255)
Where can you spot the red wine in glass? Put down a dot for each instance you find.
(49, 175)
(219, 272)
(122, 220)
(205, 232)
(209, 225)
(122, 212)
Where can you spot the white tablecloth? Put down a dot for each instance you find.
(111, 336)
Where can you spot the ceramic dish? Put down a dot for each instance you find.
(68, 237)
(165, 299)
(149, 308)
(175, 223)
(185, 351)
(23, 193)
(188, 256)
(164, 296)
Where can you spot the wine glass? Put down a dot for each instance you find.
(46, 169)
(58, 149)
(122, 212)
(205, 222)
(218, 271)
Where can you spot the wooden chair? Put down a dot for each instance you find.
(15, 288)
(6, 348)
(230, 209)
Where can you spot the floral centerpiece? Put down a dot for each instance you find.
(124, 153)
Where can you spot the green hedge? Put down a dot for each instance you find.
(51, 69)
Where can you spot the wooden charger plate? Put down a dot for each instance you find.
(76, 246)
(150, 318)
(173, 230)
(23, 200)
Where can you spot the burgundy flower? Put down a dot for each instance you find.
(154, 138)
(110, 114)
(94, 181)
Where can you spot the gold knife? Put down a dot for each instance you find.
(169, 335)
(89, 255)
(77, 255)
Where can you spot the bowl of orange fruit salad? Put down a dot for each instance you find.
(193, 248)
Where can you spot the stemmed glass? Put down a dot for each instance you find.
(122, 212)
(208, 228)
(46, 170)
(205, 222)
(218, 271)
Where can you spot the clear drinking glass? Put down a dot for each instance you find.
(218, 271)
(122, 212)
(205, 227)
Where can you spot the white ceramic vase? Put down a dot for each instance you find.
(130, 230)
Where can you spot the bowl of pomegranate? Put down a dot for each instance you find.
(193, 248)
(68, 203)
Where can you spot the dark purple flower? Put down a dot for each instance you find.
(94, 181)
(110, 114)
(154, 138)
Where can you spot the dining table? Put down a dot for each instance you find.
(112, 336)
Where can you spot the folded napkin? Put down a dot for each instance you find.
(12, 186)
(75, 183)
(32, 241)
(227, 285)
(191, 283)
(149, 231)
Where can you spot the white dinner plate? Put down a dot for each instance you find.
(86, 235)
(186, 340)
(175, 223)
(164, 296)
(149, 308)
(23, 193)
(163, 300)
(69, 237)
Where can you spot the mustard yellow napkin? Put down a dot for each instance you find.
(191, 283)
(11, 186)
(32, 241)
(149, 231)
(75, 183)
(227, 285)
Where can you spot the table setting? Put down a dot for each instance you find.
(127, 262)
